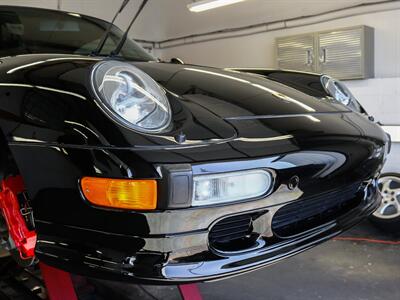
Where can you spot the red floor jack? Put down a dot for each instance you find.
(18, 216)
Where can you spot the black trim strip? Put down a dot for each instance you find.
(196, 144)
(238, 118)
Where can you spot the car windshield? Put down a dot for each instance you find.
(30, 30)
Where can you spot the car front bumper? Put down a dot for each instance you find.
(181, 252)
(269, 251)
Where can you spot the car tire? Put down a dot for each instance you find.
(387, 216)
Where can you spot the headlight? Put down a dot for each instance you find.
(131, 97)
(339, 91)
(229, 187)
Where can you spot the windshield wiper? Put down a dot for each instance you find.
(117, 49)
(107, 32)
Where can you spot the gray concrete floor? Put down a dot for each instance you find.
(335, 270)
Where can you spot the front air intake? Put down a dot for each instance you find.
(313, 211)
(234, 233)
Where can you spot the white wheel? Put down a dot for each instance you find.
(387, 216)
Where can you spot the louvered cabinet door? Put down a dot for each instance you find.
(346, 53)
(296, 53)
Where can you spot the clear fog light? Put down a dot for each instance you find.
(228, 187)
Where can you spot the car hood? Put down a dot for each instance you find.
(53, 103)
(253, 111)
(230, 93)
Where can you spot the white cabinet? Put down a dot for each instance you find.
(296, 52)
(343, 53)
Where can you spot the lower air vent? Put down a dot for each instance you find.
(314, 211)
(234, 233)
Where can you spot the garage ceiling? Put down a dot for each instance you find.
(175, 20)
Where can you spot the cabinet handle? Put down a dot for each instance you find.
(309, 61)
(322, 58)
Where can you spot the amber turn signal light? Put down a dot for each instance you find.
(120, 193)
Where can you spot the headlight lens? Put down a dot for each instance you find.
(229, 187)
(131, 97)
(339, 91)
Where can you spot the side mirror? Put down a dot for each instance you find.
(176, 60)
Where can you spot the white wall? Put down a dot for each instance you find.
(51, 4)
(380, 96)
(259, 50)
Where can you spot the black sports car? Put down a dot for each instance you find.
(117, 165)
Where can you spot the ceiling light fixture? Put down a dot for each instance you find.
(204, 5)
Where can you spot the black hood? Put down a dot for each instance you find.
(226, 93)
(53, 102)
(232, 93)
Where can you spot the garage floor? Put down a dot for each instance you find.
(339, 269)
